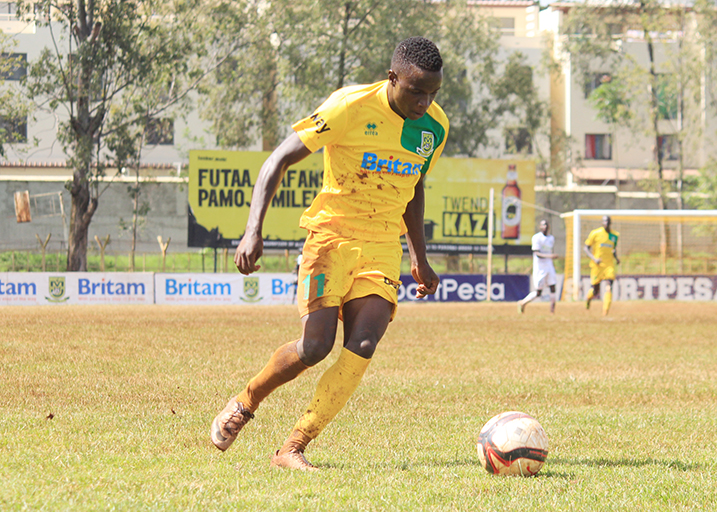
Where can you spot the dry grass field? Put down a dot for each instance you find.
(108, 408)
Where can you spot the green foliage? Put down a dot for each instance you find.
(706, 187)
(115, 67)
(612, 102)
(14, 106)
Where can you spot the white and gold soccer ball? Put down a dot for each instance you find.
(512, 443)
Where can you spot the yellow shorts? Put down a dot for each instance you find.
(335, 270)
(601, 273)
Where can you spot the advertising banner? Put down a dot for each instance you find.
(457, 198)
(220, 188)
(37, 288)
(456, 214)
(637, 287)
(224, 289)
(469, 288)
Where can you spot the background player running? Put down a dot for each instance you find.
(601, 247)
(543, 269)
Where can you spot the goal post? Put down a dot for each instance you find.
(651, 242)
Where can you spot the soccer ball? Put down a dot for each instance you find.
(512, 443)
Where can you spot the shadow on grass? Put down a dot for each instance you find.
(632, 463)
(548, 471)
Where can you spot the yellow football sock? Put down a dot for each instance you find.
(283, 366)
(590, 294)
(333, 391)
(606, 302)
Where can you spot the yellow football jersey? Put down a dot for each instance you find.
(602, 245)
(373, 160)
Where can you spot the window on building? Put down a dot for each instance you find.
(13, 130)
(598, 146)
(507, 26)
(615, 29)
(160, 132)
(517, 141)
(669, 147)
(666, 90)
(595, 81)
(13, 66)
(8, 8)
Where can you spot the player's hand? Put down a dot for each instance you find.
(597, 261)
(249, 251)
(426, 278)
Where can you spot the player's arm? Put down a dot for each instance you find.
(421, 270)
(587, 250)
(251, 247)
(546, 255)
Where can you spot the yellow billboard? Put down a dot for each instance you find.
(457, 194)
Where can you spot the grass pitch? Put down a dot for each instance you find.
(109, 407)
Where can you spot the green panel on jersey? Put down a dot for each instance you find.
(422, 137)
(613, 238)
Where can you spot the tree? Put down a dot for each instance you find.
(14, 109)
(651, 85)
(305, 49)
(113, 65)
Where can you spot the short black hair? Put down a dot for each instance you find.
(420, 52)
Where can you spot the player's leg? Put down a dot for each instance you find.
(607, 298)
(287, 363)
(595, 278)
(552, 298)
(538, 283)
(608, 275)
(319, 309)
(369, 305)
(365, 322)
(527, 299)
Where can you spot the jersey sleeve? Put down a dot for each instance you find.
(325, 125)
(535, 243)
(590, 239)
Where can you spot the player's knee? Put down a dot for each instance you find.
(364, 346)
(538, 292)
(552, 288)
(314, 349)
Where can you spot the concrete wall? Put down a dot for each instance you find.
(167, 216)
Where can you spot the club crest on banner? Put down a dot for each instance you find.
(56, 287)
(251, 290)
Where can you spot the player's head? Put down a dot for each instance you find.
(415, 76)
(544, 227)
(606, 220)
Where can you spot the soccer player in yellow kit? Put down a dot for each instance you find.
(379, 141)
(601, 247)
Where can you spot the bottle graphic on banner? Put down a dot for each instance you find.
(511, 206)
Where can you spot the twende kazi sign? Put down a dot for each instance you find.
(456, 213)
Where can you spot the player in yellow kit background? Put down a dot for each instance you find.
(379, 141)
(601, 247)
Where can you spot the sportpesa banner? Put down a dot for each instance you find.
(457, 198)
